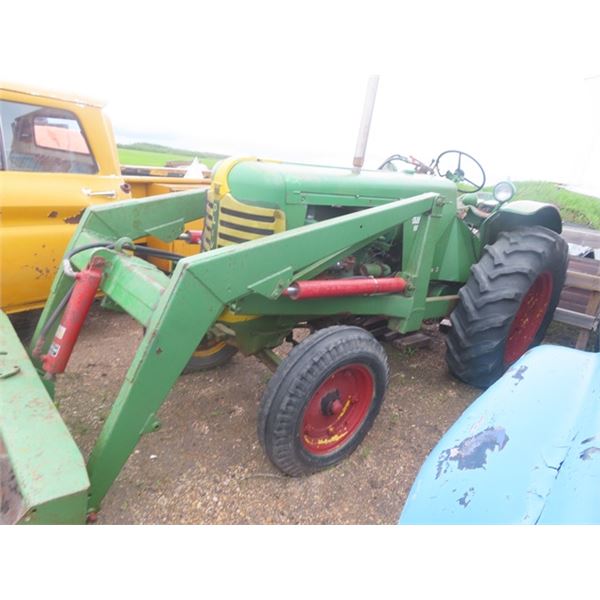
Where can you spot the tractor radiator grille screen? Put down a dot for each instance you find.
(11, 501)
(228, 222)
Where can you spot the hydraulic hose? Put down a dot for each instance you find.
(141, 250)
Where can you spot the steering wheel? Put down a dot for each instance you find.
(465, 163)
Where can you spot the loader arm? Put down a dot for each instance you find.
(177, 311)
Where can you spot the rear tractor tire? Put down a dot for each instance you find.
(323, 399)
(507, 304)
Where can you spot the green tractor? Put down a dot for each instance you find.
(326, 258)
(286, 249)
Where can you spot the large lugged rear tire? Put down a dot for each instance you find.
(323, 399)
(507, 304)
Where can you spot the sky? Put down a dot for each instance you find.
(514, 84)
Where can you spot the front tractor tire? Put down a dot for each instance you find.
(323, 399)
(507, 304)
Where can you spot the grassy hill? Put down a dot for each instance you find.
(156, 155)
(574, 208)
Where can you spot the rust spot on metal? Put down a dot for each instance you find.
(471, 453)
(75, 218)
(466, 498)
(519, 374)
(588, 453)
(45, 272)
(53, 214)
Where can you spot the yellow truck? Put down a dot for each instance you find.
(58, 156)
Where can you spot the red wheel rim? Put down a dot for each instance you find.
(337, 409)
(529, 318)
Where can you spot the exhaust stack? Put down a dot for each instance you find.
(365, 124)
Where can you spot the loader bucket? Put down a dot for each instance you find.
(43, 478)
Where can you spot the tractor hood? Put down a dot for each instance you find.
(527, 451)
(275, 184)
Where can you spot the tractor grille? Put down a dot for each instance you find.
(228, 222)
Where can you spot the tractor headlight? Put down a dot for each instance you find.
(504, 191)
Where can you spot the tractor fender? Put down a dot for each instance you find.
(520, 213)
(526, 451)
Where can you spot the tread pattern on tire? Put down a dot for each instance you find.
(492, 295)
(296, 380)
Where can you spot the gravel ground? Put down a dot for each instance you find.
(205, 464)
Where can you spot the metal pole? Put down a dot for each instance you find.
(365, 125)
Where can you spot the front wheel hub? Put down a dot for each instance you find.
(331, 403)
(337, 409)
(529, 318)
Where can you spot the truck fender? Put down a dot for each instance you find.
(526, 451)
(520, 213)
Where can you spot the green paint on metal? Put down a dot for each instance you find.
(167, 231)
(275, 184)
(134, 284)
(457, 251)
(186, 311)
(272, 285)
(49, 471)
(195, 296)
(297, 188)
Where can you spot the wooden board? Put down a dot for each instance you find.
(579, 303)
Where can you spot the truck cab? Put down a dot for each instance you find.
(57, 157)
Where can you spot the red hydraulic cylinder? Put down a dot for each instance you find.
(84, 291)
(360, 286)
(192, 236)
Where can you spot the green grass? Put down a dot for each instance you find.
(154, 155)
(574, 208)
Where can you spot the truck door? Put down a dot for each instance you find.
(48, 176)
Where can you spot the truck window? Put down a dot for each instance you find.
(43, 139)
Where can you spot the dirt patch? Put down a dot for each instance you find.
(205, 464)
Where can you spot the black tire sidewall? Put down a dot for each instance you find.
(293, 386)
(548, 254)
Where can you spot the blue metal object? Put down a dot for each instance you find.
(526, 451)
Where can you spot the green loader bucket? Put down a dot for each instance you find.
(43, 478)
